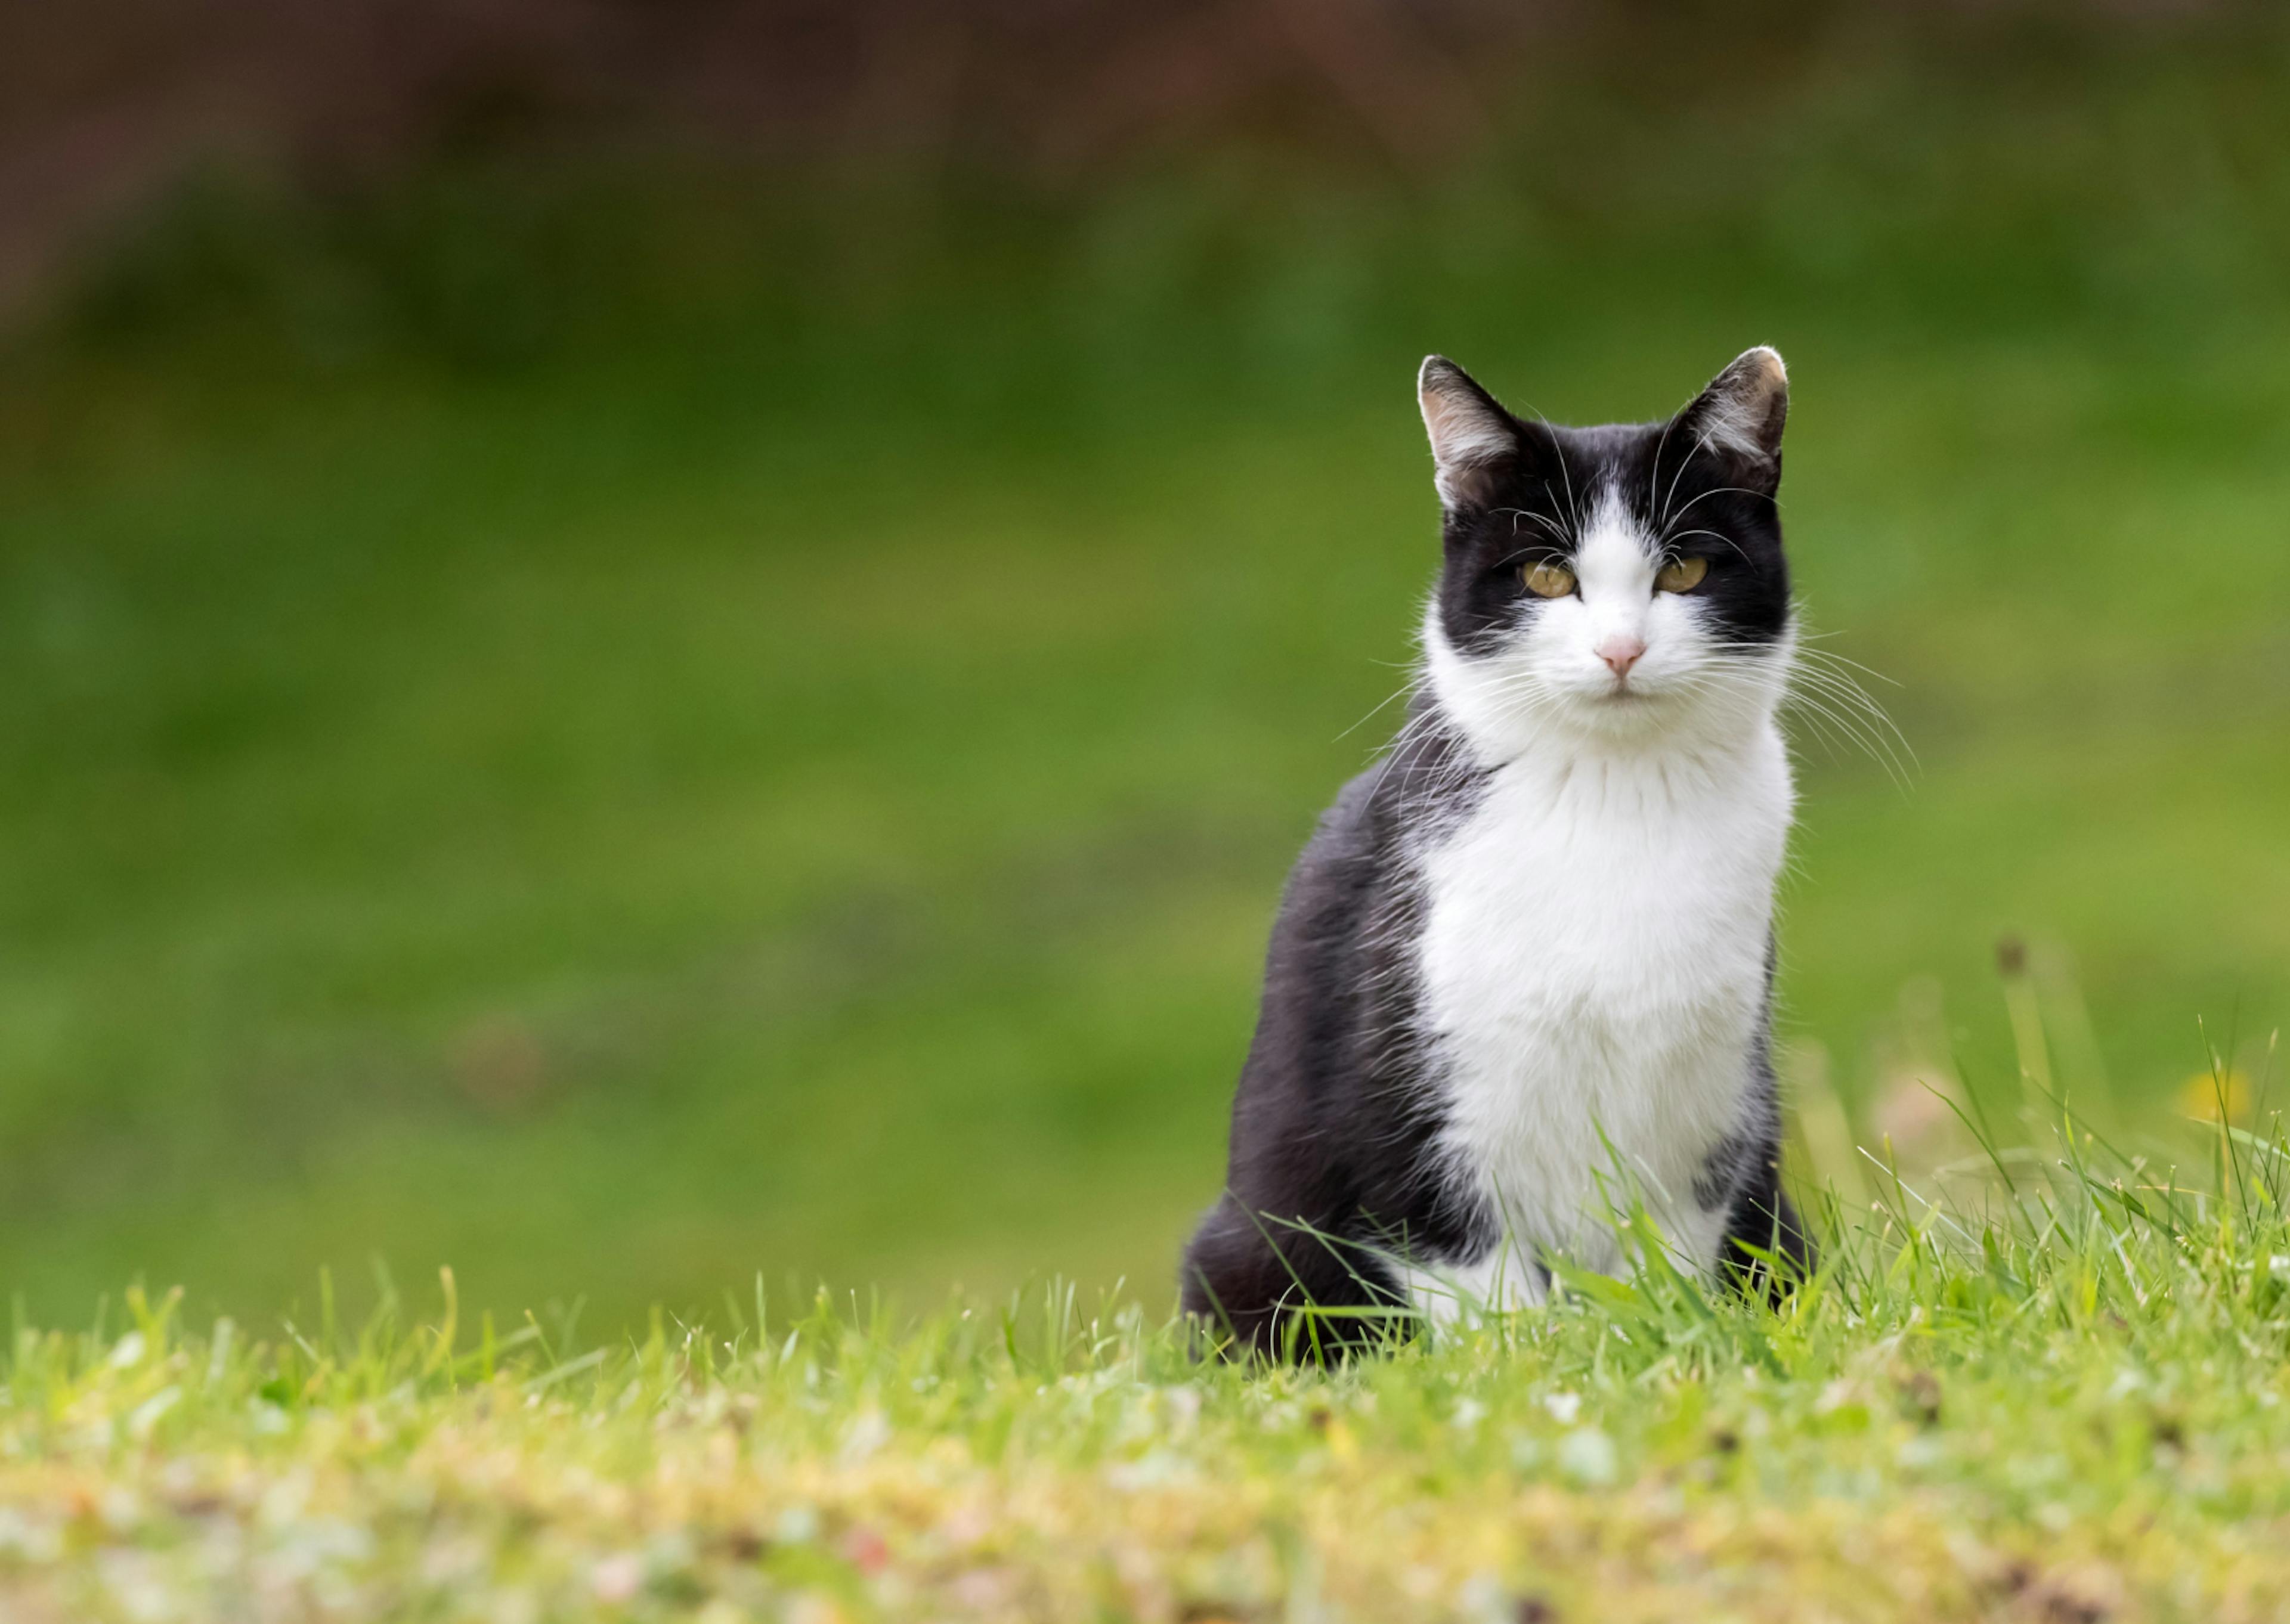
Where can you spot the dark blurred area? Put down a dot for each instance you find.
(107, 104)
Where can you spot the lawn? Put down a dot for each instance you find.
(2064, 1406)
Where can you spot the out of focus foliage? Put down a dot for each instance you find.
(620, 709)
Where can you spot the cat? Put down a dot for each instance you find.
(1522, 975)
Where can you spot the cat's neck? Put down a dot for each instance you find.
(1680, 771)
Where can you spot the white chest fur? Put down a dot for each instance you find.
(1593, 965)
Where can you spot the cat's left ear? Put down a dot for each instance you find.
(1740, 418)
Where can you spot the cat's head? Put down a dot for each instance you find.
(1622, 584)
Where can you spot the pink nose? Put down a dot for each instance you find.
(1621, 653)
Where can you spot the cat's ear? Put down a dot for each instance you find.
(1740, 417)
(1470, 433)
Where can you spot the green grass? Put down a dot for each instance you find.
(790, 769)
(2057, 1396)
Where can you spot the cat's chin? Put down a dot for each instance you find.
(1643, 716)
(1603, 695)
(1629, 713)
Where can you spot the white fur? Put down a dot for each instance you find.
(1593, 954)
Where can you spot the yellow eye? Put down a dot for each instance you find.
(1681, 575)
(1549, 579)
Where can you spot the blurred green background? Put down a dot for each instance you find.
(621, 701)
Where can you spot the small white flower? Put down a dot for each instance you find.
(1589, 1457)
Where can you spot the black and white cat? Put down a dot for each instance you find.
(1522, 974)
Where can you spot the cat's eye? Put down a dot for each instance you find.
(1681, 574)
(1549, 580)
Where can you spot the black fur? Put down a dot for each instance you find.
(1338, 1102)
(1332, 1118)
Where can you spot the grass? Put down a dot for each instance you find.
(2055, 1396)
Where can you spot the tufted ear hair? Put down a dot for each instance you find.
(1740, 418)
(1470, 432)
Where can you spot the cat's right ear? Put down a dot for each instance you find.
(1470, 433)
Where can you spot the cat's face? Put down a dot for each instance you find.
(1624, 583)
